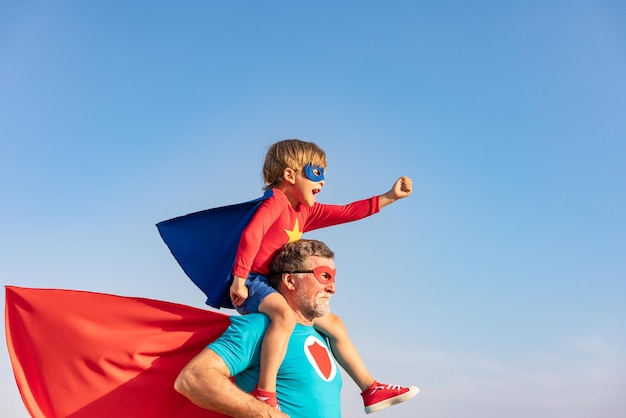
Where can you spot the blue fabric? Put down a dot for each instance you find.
(205, 245)
(258, 289)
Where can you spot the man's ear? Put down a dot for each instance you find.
(289, 175)
(289, 281)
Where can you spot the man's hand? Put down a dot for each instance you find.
(205, 381)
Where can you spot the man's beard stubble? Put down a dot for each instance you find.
(318, 308)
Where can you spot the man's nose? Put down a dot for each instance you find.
(330, 287)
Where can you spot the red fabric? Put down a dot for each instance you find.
(91, 355)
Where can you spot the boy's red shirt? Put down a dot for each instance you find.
(276, 223)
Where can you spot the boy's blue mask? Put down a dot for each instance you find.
(310, 172)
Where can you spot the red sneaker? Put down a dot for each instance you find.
(379, 396)
(267, 397)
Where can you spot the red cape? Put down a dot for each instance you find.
(91, 355)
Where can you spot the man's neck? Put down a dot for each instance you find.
(301, 317)
(302, 320)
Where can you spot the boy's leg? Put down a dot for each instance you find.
(276, 338)
(344, 350)
(376, 396)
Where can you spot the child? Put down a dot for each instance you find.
(294, 171)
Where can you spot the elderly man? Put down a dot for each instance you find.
(309, 381)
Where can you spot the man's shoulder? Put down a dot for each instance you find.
(257, 320)
(243, 330)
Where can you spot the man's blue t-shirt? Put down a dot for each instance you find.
(308, 383)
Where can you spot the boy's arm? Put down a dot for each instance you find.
(253, 235)
(248, 248)
(322, 215)
(205, 381)
(401, 189)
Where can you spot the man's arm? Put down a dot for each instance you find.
(205, 381)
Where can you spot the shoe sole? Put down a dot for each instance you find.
(413, 390)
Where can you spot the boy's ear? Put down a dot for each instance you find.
(289, 175)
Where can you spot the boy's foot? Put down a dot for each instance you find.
(379, 396)
(267, 397)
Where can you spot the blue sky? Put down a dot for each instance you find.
(498, 288)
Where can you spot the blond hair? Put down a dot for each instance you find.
(292, 153)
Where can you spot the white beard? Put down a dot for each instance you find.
(316, 309)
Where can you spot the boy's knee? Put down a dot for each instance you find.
(336, 322)
(286, 318)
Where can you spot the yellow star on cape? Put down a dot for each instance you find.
(295, 234)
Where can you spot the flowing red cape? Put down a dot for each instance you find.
(91, 355)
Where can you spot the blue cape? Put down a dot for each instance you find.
(205, 245)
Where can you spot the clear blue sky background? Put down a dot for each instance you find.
(498, 287)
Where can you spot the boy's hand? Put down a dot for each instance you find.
(238, 291)
(401, 189)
